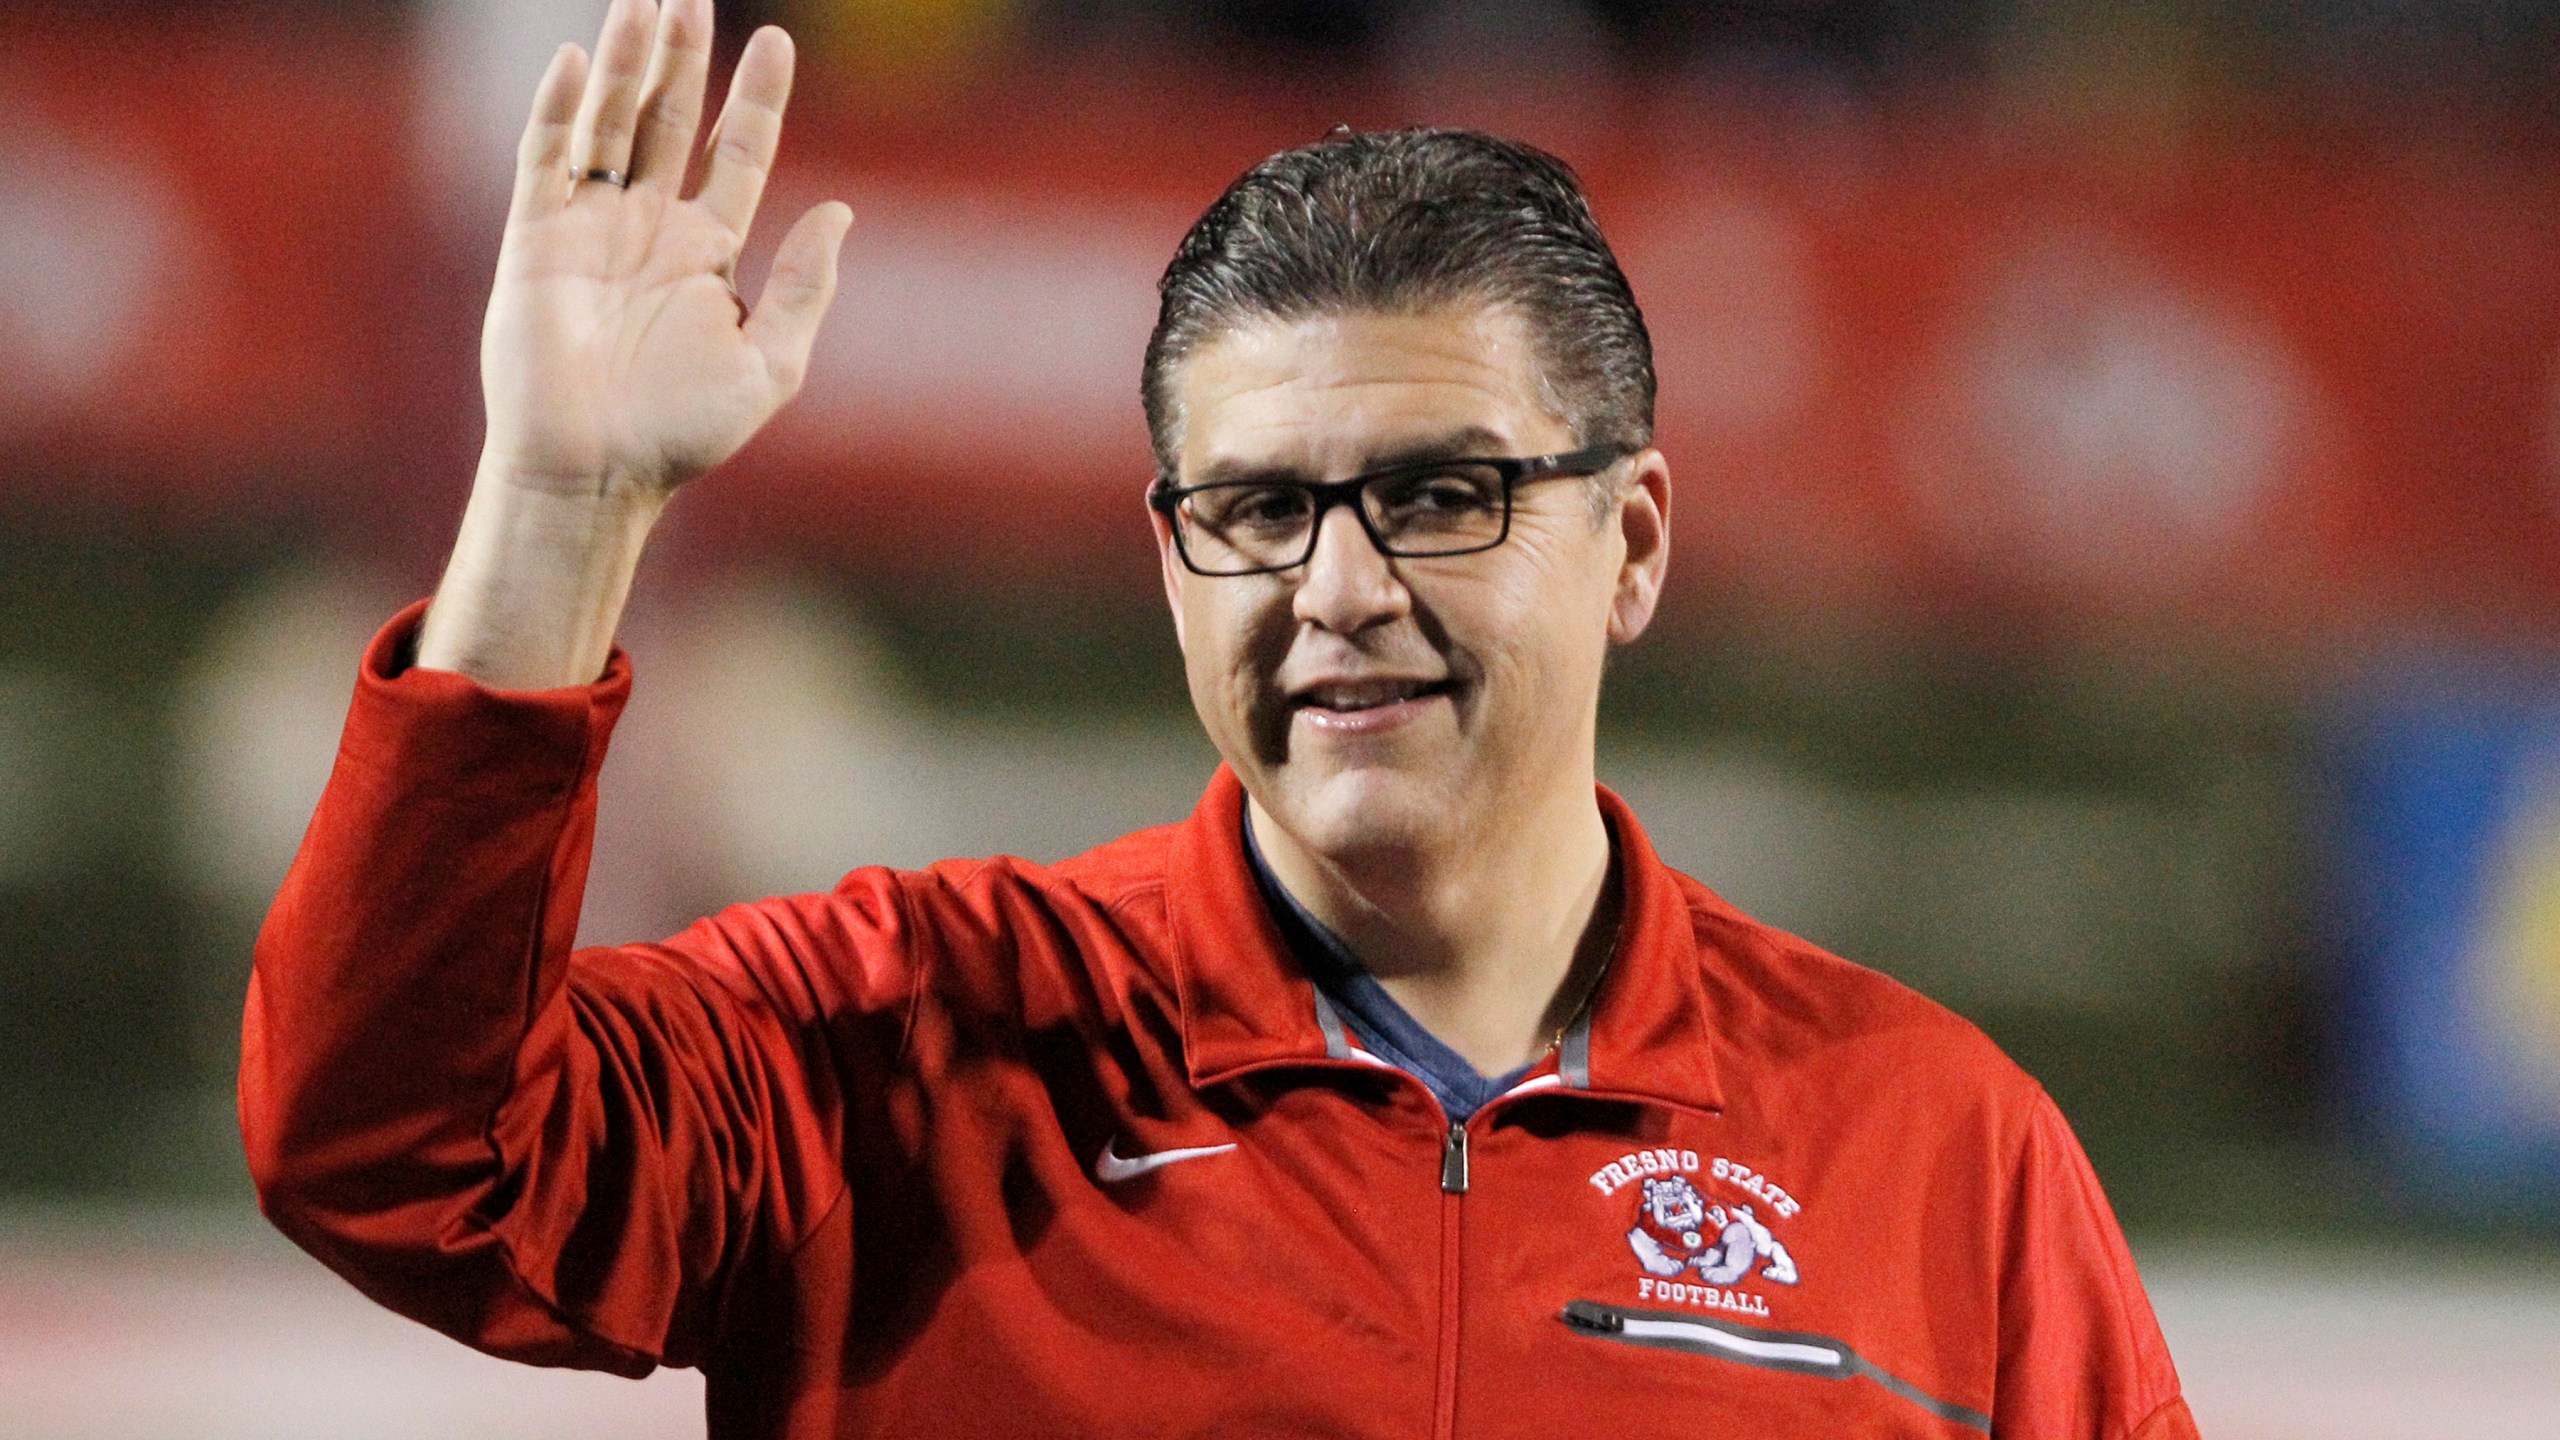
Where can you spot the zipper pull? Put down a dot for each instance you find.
(1453, 1161)
(1583, 1315)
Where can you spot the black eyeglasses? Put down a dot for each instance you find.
(1420, 510)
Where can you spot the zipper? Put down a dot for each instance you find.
(1776, 1349)
(1453, 1191)
(1793, 1351)
(1453, 1161)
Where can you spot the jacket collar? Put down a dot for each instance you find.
(1247, 1003)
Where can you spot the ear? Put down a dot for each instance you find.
(1169, 560)
(1644, 522)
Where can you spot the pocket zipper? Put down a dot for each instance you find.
(1793, 1351)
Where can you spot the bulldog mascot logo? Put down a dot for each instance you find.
(1678, 1230)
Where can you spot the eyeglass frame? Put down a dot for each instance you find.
(1165, 498)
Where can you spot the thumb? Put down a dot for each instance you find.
(784, 323)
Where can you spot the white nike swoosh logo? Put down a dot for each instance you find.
(1111, 1167)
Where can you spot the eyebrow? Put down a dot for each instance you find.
(1466, 442)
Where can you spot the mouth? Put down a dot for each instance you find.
(1366, 706)
(1352, 697)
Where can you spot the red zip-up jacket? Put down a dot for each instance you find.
(999, 1149)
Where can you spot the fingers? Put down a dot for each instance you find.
(671, 101)
(749, 132)
(784, 324)
(609, 109)
(542, 156)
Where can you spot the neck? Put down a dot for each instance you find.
(1492, 944)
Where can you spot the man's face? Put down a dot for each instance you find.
(1380, 708)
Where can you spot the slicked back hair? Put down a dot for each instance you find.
(1402, 222)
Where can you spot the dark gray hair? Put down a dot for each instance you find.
(1401, 221)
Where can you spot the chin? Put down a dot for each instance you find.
(1364, 816)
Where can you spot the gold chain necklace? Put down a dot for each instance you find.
(1582, 1003)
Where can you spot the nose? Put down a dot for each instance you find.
(1348, 585)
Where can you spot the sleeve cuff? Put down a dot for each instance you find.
(393, 656)
(450, 716)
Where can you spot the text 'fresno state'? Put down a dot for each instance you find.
(1637, 1164)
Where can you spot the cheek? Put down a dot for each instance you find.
(1541, 627)
(1232, 648)
(1211, 650)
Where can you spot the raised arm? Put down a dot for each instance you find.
(570, 1157)
(618, 360)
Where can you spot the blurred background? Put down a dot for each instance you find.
(2117, 585)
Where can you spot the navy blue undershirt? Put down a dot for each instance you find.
(1382, 1026)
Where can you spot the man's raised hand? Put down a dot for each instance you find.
(617, 352)
(618, 360)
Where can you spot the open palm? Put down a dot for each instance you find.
(617, 352)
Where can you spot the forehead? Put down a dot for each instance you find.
(1332, 394)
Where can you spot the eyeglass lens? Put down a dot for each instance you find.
(1254, 525)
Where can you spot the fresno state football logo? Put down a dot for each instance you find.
(1676, 1230)
(1699, 1237)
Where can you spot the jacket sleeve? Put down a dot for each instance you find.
(2081, 1356)
(566, 1158)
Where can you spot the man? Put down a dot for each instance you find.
(1400, 1091)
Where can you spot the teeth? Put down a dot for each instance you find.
(1365, 694)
